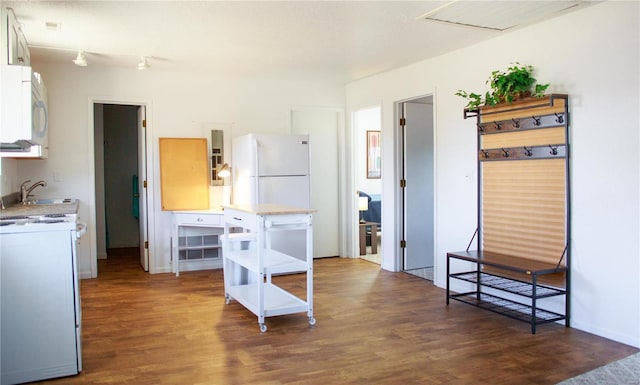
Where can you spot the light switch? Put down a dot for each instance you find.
(469, 176)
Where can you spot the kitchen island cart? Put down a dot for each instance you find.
(249, 262)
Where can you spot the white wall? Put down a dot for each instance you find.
(8, 176)
(590, 54)
(182, 104)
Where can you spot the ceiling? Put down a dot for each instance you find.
(334, 40)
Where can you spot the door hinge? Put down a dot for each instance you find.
(144, 123)
(403, 244)
(403, 121)
(144, 184)
(403, 183)
(146, 244)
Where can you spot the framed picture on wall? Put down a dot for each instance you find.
(373, 155)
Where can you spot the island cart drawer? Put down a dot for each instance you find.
(236, 218)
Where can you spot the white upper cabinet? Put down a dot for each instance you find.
(14, 43)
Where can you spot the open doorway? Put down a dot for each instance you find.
(417, 199)
(367, 128)
(120, 170)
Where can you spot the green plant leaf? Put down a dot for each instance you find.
(540, 89)
(506, 86)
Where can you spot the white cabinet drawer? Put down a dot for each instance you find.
(198, 219)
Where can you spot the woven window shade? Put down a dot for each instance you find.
(523, 208)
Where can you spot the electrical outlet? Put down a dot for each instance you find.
(57, 176)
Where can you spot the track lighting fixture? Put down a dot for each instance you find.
(143, 64)
(80, 60)
(224, 171)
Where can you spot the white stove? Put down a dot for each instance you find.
(40, 295)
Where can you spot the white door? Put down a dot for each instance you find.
(322, 127)
(142, 189)
(418, 197)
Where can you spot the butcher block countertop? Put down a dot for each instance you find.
(40, 209)
(269, 209)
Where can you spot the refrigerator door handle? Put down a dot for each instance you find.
(256, 152)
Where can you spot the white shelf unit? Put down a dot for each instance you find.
(195, 241)
(249, 262)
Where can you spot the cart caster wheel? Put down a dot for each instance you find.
(312, 321)
(263, 328)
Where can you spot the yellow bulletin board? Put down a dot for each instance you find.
(184, 174)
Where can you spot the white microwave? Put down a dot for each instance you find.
(24, 115)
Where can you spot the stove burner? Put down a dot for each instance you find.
(55, 215)
(49, 221)
(15, 217)
(7, 223)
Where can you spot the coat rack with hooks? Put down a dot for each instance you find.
(529, 123)
(523, 212)
(523, 152)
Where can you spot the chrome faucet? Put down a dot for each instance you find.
(26, 191)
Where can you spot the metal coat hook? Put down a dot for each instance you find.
(536, 121)
(485, 153)
(554, 150)
(498, 125)
(516, 123)
(480, 127)
(527, 151)
(559, 118)
(505, 152)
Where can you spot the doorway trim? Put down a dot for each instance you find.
(357, 165)
(93, 247)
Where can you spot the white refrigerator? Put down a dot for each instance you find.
(273, 168)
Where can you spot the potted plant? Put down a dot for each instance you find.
(506, 87)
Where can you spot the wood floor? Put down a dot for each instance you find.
(373, 327)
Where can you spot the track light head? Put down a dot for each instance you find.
(143, 64)
(81, 59)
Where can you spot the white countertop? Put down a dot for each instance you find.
(32, 210)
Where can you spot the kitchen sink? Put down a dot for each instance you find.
(58, 201)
